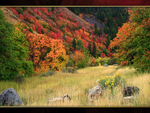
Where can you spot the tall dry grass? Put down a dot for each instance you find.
(35, 91)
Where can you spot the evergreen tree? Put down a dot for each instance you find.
(86, 10)
(94, 49)
(52, 9)
(80, 44)
(100, 32)
(95, 25)
(108, 40)
(89, 48)
(64, 37)
(74, 44)
(102, 17)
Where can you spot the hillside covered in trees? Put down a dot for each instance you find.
(110, 17)
(37, 39)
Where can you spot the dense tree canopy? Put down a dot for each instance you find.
(132, 40)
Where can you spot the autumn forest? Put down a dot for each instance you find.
(54, 38)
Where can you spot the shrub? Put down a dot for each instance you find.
(19, 10)
(97, 62)
(112, 61)
(104, 60)
(45, 25)
(81, 64)
(69, 70)
(48, 73)
(111, 82)
(19, 78)
(42, 31)
(37, 18)
(30, 29)
(89, 62)
(77, 58)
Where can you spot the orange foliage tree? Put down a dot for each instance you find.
(46, 53)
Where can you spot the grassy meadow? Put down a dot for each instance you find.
(40, 89)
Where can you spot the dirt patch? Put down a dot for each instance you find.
(10, 16)
(92, 20)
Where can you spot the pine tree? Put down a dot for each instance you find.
(74, 44)
(94, 49)
(64, 37)
(52, 9)
(95, 29)
(89, 48)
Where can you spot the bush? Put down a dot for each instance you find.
(19, 78)
(77, 58)
(37, 18)
(112, 61)
(104, 60)
(19, 10)
(42, 31)
(81, 64)
(111, 82)
(48, 73)
(97, 62)
(89, 62)
(45, 25)
(69, 70)
(30, 29)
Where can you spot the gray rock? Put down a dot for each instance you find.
(94, 92)
(116, 65)
(9, 97)
(105, 65)
(129, 91)
(63, 98)
(129, 98)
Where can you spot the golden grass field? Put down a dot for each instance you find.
(40, 89)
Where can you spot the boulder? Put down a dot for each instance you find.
(49, 73)
(9, 97)
(129, 98)
(69, 70)
(116, 65)
(129, 91)
(60, 99)
(105, 65)
(94, 92)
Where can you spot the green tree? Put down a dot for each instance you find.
(102, 17)
(89, 48)
(108, 40)
(94, 49)
(64, 37)
(13, 51)
(100, 32)
(132, 40)
(74, 44)
(80, 44)
(52, 9)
